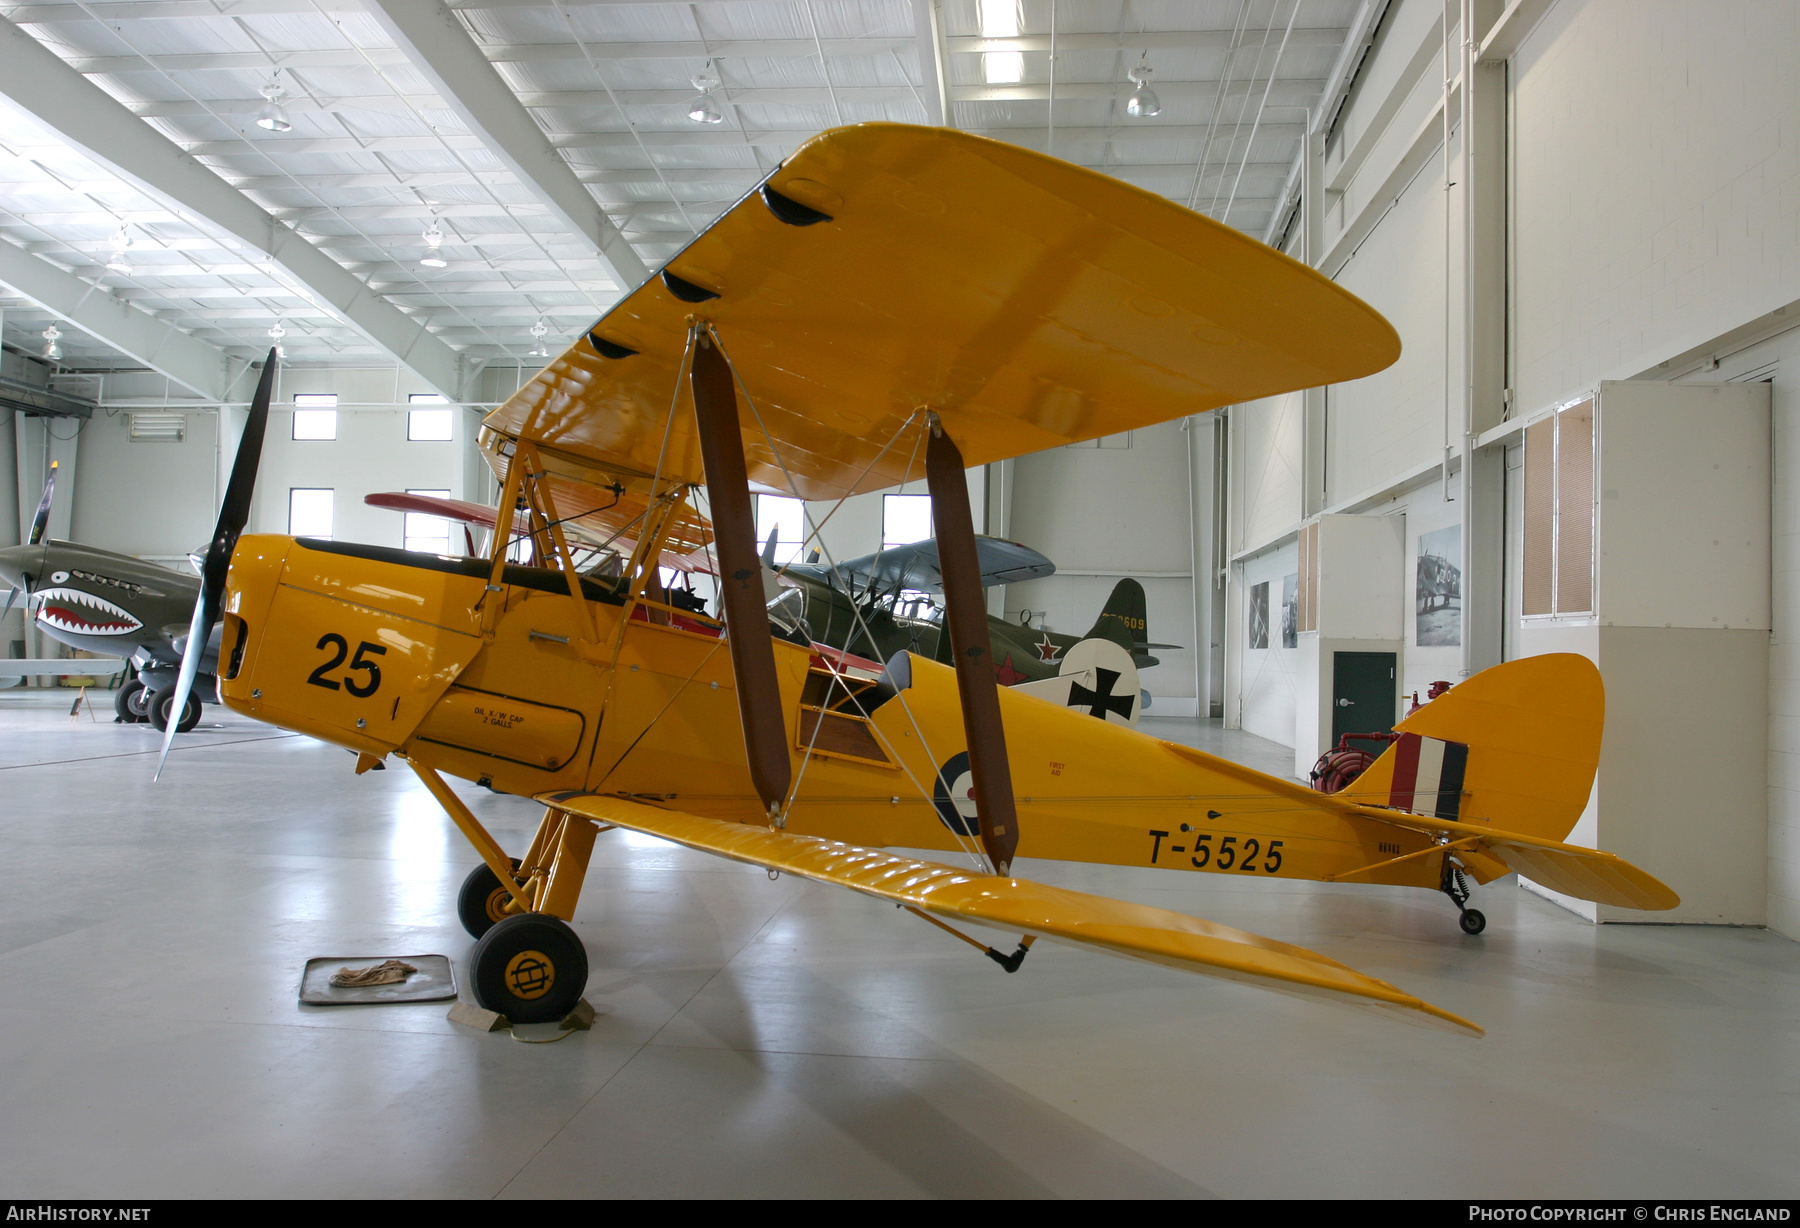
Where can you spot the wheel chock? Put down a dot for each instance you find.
(580, 1019)
(480, 1018)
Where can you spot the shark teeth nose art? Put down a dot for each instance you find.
(70, 609)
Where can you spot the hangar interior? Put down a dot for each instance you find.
(1581, 216)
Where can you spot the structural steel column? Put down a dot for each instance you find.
(1485, 405)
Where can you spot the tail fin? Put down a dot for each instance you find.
(1516, 746)
(1123, 619)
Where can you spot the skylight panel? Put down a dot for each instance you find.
(1000, 19)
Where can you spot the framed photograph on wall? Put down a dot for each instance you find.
(1438, 588)
(1290, 610)
(1259, 615)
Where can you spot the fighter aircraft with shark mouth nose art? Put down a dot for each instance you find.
(889, 298)
(112, 604)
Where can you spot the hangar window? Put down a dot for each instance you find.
(309, 512)
(1558, 571)
(905, 519)
(315, 415)
(786, 519)
(429, 423)
(430, 534)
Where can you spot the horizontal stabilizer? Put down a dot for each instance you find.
(1586, 874)
(1017, 906)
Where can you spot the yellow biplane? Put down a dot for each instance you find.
(891, 300)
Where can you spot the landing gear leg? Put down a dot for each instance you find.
(1452, 883)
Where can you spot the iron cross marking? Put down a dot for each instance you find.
(1102, 701)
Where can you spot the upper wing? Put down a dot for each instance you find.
(434, 505)
(916, 566)
(885, 268)
(1016, 906)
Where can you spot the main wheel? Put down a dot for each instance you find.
(1473, 921)
(530, 967)
(481, 904)
(156, 708)
(159, 704)
(128, 703)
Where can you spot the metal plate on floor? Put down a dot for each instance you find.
(435, 981)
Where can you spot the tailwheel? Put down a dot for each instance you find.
(481, 904)
(531, 968)
(1452, 883)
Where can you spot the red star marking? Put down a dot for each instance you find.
(1046, 650)
(1006, 675)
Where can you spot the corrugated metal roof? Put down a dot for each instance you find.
(374, 155)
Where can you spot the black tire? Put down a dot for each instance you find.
(479, 905)
(531, 968)
(158, 705)
(128, 703)
(1473, 921)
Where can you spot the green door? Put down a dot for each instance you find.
(1362, 695)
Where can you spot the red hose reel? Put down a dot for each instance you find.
(1338, 768)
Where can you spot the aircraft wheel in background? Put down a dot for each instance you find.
(530, 967)
(481, 904)
(158, 705)
(128, 702)
(1473, 921)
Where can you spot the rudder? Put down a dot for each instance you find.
(1123, 619)
(1523, 736)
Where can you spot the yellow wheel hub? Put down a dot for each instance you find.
(529, 975)
(496, 904)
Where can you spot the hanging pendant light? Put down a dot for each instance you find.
(1143, 102)
(52, 350)
(273, 116)
(538, 333)
(121, 257)
(705, 109)
(275, 335)
(434, 239)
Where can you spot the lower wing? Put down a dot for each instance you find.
(1017, 906)
(1586, 874)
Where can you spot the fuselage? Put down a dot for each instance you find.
(100, 601)
(387, 652)
(879, 629)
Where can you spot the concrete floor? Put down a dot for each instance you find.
(762, 1038)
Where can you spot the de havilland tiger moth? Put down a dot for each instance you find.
(875, 605)
(890, 300)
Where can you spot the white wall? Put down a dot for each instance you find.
(1653, 187)
(1394, 420)
(1269, 674)
(153, 499)
(1268, 439)
(1778, 361)
(1656, 183)
(1105, 513)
